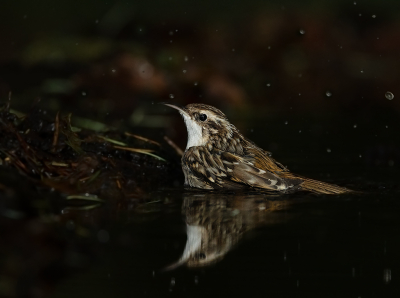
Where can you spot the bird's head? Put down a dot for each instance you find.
(204, 123)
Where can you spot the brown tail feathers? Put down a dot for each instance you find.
(322, 187)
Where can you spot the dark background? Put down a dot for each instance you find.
(318, 57)
(315, 82)
(320, 63)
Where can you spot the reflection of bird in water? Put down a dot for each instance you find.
(216, 222)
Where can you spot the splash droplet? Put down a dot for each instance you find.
(171, 96)
(389, 95)
(328, 93)
(301, 31)
(328, 150)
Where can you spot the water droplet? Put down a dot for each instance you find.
(172, 281)
(360, 156)
(196, 279)
(299, 94)
(113, 70)
(355, 3)
(233, 50)
(373, 16)
(328, 93)
(389, 95)
(301, 31)
(355, 125)
(186, 58)
(171, 32)
(286, 122)
(97, 21)
(171, 96)
(391, 163)
(361, 71)
(299, 131)
(269, 47)
(184, 71)
(169, 58)
(268, 85)
(83, 93)
(328, 150)
(195, 83)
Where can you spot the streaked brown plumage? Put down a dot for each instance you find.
(218, 156)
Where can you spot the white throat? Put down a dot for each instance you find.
(195, 132)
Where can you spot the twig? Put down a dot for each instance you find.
(173, 145)
(142, 138)
(8, 102)
(56, 131)
(142, 151)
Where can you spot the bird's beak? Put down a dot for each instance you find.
(181, 110)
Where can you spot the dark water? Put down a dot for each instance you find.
(251, 244)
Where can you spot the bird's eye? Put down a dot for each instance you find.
(203, 117)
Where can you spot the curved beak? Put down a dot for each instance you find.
(181, 110)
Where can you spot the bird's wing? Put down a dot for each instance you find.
(228, 170)
(263, 160)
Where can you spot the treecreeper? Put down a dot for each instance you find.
(218, 156)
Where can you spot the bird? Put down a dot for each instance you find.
(219, 157)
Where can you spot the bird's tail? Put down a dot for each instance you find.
(320, 187)
(323, 187)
